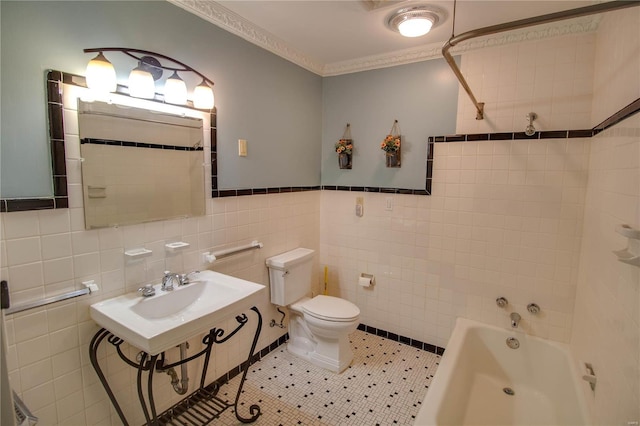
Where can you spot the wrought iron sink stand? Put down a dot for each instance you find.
(199, 408)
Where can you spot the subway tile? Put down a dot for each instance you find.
(36, 374)
(56, 246)
(23, 250)
(39, 397)
(20, 225)
(33, 350)
(57, 270)
(29, 325)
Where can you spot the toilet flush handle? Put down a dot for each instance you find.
(285, 273)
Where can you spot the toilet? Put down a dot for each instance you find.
(319, 327)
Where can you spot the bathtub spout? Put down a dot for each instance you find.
(515, 319)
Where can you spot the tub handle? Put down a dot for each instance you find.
(590, 376)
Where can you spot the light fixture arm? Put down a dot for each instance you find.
(132, 53)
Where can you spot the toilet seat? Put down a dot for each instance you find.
(329, 308)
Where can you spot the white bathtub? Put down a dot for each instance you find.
(477, 365)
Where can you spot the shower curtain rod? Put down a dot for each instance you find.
(522, 23)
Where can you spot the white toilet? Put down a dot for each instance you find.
(318, 328)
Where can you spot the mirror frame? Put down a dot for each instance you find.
(55, 115)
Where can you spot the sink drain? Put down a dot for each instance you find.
(509, 391)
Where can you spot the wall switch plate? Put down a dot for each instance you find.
(388, 203)
(242, 147)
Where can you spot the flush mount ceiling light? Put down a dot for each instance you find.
(101, 76)
(414, 21)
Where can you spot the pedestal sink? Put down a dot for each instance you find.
(157, 323)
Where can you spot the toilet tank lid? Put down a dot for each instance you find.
(290, 258)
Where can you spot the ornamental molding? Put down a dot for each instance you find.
(230, 21)
(235, 24)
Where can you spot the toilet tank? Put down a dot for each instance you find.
(290, 275)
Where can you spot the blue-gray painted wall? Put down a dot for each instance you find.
(423, 97)
(290, 116)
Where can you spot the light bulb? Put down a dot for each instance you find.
(100, 75)
(141, 84)
(203, 96)
(415, 27)
(175, 90)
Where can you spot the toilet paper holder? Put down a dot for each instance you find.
(366, 280)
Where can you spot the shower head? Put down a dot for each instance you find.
(530, 130)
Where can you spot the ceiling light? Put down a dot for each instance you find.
(414, 21)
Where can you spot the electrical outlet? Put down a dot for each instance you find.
(359, 206)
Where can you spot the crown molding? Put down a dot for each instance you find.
(230, 21)
(434, 50)
(235, 24)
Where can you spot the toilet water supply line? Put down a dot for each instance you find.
(274, 323)
(514, 25)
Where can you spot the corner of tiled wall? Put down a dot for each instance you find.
(606, 325)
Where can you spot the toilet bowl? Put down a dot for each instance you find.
(319, 327)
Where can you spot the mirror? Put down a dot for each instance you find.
(139, 165)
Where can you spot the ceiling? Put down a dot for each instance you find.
(337, 37)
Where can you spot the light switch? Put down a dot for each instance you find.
(242, 147)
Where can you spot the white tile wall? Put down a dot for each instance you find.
(607, 321)
(48, 347)
(551, 77)
(504, 219)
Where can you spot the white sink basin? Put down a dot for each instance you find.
(157, 323)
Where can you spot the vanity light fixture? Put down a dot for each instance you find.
(141, 83)
(414, 21)
(175, 90)
(101, 76)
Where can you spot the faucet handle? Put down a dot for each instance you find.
(184, 278)
(502, 302)
(147, 290)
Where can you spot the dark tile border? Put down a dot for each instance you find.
(401, 339)
(255, 358)
(55, 121)
(131, 144)
(624, 113)
(552, 134)
(56, 142)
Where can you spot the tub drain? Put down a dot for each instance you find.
(513, 343)
(509, 391)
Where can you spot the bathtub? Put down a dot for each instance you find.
(478, 371)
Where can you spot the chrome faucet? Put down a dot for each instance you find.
(515, 319)
(168, 280)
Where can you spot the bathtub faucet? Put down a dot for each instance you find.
(515, 319)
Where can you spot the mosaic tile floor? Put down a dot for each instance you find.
(384, 385)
